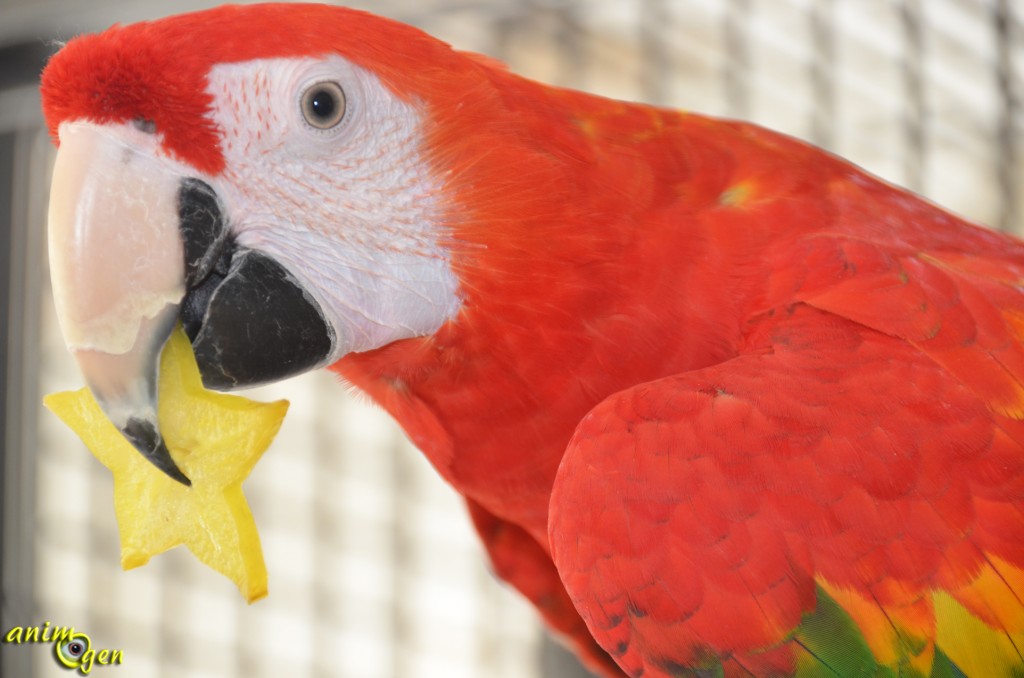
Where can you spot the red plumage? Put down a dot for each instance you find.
(703, 375)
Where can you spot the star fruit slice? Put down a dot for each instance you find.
(215, 439)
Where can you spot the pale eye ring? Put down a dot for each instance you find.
(323, 105)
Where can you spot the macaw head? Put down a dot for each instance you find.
(284, 180)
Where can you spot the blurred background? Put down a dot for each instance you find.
(374, 570)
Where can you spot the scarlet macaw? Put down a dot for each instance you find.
(720, 403)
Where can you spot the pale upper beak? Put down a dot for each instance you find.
(136, 244)
(116, 263)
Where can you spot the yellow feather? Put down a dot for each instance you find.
(897, 635)
(975, 647)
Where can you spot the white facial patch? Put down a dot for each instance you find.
(352, 212)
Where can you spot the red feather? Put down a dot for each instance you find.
(705, 376)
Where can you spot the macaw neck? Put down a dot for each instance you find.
(584, 270)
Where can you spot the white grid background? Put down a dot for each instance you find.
(374, 571)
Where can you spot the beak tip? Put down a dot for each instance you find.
(143, 434)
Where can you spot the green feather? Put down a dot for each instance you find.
(944, 668)
(829, 645)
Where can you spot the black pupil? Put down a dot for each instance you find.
(323, 104)
(75, 648)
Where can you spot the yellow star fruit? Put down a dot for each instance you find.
(215, 439)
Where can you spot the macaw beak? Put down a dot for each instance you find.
(116, 258)
(136, 244)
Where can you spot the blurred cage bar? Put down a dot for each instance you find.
(374, 570)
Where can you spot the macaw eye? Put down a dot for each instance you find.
(323, 105)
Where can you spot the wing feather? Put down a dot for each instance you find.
(715, 518)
